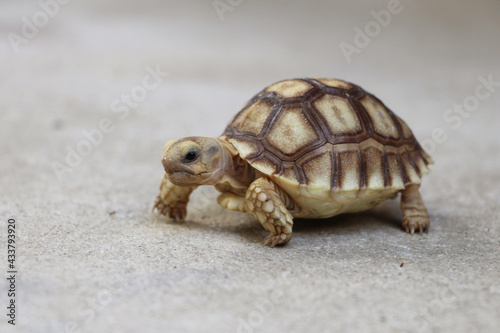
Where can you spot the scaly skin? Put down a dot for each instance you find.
(172, 200)
(415, 216)
(263, 201)
(232, 201)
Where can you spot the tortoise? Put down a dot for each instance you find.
(302, 148)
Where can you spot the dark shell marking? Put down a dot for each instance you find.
(326, 132)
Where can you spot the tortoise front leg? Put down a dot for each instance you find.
(265, 200)
(415, 216)
(172, 200)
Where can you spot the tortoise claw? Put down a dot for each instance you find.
(420, 226)
(279, 239)
(175, 212)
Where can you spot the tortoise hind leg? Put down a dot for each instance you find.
(266, 201)
(415, 216)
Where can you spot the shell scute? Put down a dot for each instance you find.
(318, 168)
(350, 167)
(290, 88)
(381, 119)
(253, 118)
(336, 83)
(338, 114)
(292, 131)
(374, 167)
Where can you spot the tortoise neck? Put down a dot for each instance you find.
(236, 172)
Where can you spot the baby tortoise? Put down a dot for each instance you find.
(305, 148)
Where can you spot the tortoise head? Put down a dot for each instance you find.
(194, 161)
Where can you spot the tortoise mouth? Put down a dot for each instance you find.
(181, 169)
(189, 178)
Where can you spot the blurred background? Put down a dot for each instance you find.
(91, 90)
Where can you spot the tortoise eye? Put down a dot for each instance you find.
(191, 156)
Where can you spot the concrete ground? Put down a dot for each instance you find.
(80, 167)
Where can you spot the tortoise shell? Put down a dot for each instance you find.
(327, 134)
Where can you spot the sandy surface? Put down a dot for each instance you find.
(90, 255)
